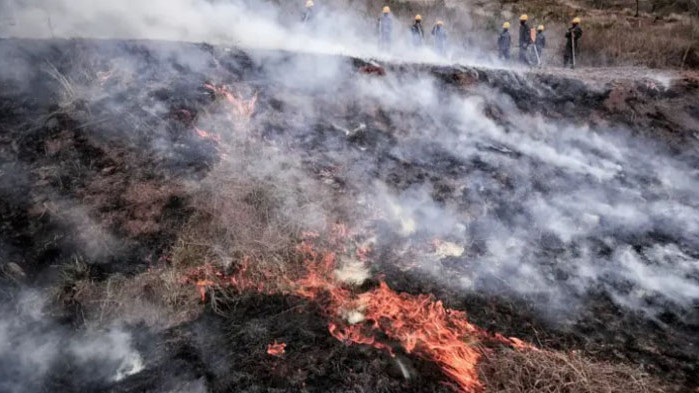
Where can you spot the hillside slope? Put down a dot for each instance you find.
(138, 178)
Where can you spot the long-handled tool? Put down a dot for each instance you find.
(572, 41)
(538, 58)
(532, 39)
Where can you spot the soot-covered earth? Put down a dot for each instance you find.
(557, 208)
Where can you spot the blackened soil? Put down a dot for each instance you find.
(102, 180)
(228, 353)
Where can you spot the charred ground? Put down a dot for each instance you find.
(98, 151)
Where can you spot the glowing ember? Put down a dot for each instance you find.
(515, 342)
(243, 108)
(276, 349)
(201, 286)
(104, 76)
(205, 135)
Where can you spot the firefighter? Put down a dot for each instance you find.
(416, 31)
(540, 42)
(308, 13)
(440, 38)
(504, 42)
(524, 38)
(385, 29)
(572, 36)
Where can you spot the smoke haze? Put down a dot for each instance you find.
(460, 184)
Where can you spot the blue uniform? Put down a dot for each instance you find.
(385, 31)
(440, 39)
(308, 15)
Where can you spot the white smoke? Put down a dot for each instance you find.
(237, 23)
(32, 345)
(543, 196)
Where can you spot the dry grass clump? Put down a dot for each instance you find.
(157, 297)
(515, 371)
(74, 280)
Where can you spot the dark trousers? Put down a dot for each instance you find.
(568, 56)
(504, 54)
(523, 55)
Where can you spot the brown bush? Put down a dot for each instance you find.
(515, 371)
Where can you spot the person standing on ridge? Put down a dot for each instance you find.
(308, 13)
(572, 37)
(385, 29)
(504, 42)
(524, 38)
(416, 31)
(540, 43)
(440, 38)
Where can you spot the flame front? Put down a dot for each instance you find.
(419, 324)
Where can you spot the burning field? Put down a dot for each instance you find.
(182, 217)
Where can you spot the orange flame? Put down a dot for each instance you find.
(241, 107)
(201, 287)
(420, 324)
(276, 349)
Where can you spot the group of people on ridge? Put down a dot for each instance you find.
(527, 37)
(417, 32)
(538, 41)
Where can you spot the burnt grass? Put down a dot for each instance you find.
(103, 180)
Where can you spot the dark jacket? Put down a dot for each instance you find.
(524, 35)
(417, 33)
(504, 40)
(540, 41)
(574, 32)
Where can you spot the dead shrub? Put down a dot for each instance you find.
(516, 371)
(156, 297)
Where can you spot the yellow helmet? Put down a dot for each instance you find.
(440, 23)
(418, 17)
(506, 25)
(309, 4)
(540, 28)
(386, 10)
(576, 20)
(524, 17)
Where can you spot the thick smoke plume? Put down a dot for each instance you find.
(338, 27)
